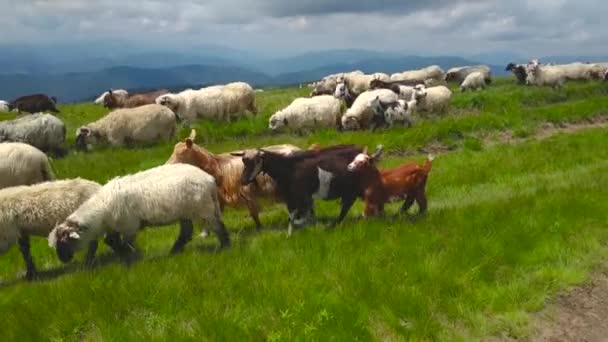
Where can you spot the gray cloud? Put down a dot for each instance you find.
(418, 26)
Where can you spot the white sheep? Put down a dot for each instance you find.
(307, 113)
(458, 74)
(41, 130)
(34, 210)
(117, 92)
(430, 72)
(216, 102)
(4, 106)
(381, 76)
(473, 81)
(543, 75)
(356, 83)
(140, 125)
(360, 114)
(159, 196)
(433, 100)
(23, 164)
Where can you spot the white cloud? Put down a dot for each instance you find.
(418, 26)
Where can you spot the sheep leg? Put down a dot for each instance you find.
(91, 252)
(222, 234)
(24, 247)
(185, 235)
(113, 241)
(409, 201)
(347, 203)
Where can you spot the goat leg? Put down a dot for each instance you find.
(347, 203)
(409, 201)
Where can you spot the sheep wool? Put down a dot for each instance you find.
(434, 100)
(220, 102)
(473, 81)
(159, 196)
(307, 113)
(140, 125)
(35, 209)
(23, 164)
(360, 114)
(43, 131)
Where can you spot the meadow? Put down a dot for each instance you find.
(511, 223)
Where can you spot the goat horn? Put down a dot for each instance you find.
(378, 151)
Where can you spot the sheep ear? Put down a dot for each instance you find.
(365, 150)
(237, 153)
(74, 235)
(53, 238)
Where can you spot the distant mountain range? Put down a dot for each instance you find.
(74, 73)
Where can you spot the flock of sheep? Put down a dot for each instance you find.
(195, 185)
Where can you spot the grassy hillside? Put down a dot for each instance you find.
(508, 227)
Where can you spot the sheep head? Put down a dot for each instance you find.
(169, 101)
(275, 122)
(350, 122)
(66, 239)
(85, 136)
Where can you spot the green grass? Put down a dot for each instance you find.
(508, 227)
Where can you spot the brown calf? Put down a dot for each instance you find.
(406, 182)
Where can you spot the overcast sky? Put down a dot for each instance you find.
(465, 27)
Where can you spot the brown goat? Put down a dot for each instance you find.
(133, 100)
(227, 170)
(406, 182)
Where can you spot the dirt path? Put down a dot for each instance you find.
(580, 315)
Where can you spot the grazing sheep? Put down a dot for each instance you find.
(141, 125)
(381, 76)
(4, 106)
(117, 92)
(597, 70)
(307, 113)
(420, 75)
(23, 164)
(433, 100)
(35, 209)
(327, 85)
(113, 101)
(473, 81)
(34, 103)
(519, 70)
(543, 75)
(43, 131)
(360, 114)
(216, 102)
(240, 98)
(159, 196)
(227, 171)
(460, 73)
(356, 83)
